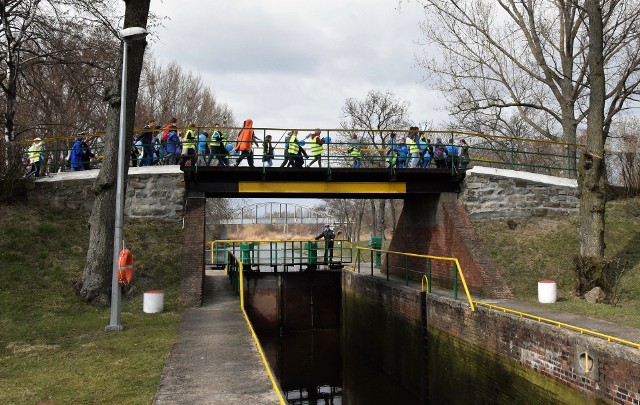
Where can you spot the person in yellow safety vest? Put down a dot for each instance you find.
(35, 157)
(189, 146)
(316, 148)
(354, 151)
(217, 148)
(412, 145)
(294, 149)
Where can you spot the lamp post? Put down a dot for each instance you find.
(127, 35)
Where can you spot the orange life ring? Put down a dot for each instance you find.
(125, 267)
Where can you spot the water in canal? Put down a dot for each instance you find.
(315, 367)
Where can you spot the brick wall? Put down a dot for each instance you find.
(192, 268)
(545, 356)
(439, 226)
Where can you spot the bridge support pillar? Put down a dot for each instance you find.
(438, 225)
(192, 269)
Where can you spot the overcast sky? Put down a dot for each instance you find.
(292, 64)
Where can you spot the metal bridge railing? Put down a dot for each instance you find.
(535, 155)
(442, 272)
(283, 254)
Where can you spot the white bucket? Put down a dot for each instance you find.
(153, 301)
(547, 291)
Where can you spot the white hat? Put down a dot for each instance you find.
(37, 139)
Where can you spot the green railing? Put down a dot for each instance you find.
(284, 254)
(441, 272)
(387, 152)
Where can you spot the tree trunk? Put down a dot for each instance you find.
(374, 216)
(382, 221)
(591, 176)
(11, 96)
(96, 279)
(394, 216)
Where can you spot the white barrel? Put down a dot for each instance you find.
(153, 301)
(547, 291)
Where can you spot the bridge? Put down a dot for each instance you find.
(332, 182)
(277, 213)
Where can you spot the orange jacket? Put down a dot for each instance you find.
(245, 138)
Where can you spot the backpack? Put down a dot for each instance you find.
(165, 134)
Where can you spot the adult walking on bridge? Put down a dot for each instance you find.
(316, 148)
(35, 157)
(354, 151)
(245, 138)
(328, 236)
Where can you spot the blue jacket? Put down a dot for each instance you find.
(202, 143)
(77, 154)
(173, 142)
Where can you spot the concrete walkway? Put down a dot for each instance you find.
(215, 360)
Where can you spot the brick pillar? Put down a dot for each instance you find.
(439, 226)
(417, 232)
(192, 270)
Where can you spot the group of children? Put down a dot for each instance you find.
(417, 151)
(156, 145)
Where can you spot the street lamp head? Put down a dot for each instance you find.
(133, 33)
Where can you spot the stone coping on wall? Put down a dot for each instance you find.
(515, 174)
(92, 174)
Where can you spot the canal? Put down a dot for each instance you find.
(332, 344)
(316, 367)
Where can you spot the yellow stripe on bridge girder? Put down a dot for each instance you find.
(322, 187)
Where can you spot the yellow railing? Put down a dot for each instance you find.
(274, 383)
(559, 324)
(459, 271)
(424, 282)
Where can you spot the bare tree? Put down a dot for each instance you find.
(168, 92)
(378, 115)
(65, 97)
(17, 21)
(96, 280)
(44, 32)
(542, 59)
(531, 59)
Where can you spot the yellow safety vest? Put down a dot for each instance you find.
(215, 140)
(316, 148)
(413, 146)
(294, 148)
(354, 151)
(35, 152)
(189, 144)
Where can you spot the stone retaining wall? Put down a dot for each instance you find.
(152, 192)
(490, 193)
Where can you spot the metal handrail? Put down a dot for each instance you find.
(559, 324)
(458, 269)
(335, 152)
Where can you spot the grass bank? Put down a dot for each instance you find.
(543, 248)
(53, 348)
